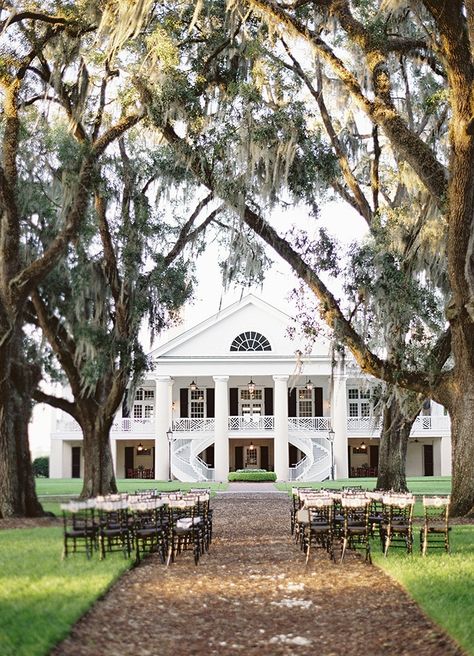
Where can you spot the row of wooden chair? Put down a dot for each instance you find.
(352, 517)
(323, 520)
(143, 523)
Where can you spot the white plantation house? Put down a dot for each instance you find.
(230, 393)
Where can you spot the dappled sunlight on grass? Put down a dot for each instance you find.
(416, 484)
(41, 595)
(73, 486)
(442, 584)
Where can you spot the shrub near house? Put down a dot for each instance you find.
(253, 475)
(41, 467)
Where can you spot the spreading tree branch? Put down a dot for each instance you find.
(330, 310)
(57, 402)
(381, 110)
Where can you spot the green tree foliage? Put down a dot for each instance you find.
(44, 78)
(126, 266)
(363, 93)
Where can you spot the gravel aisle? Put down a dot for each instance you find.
(252, 594)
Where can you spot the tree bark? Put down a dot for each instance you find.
(17, 483)
(393, 447)
(99, 477)
(461, 411)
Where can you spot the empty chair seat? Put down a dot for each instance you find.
(356, 526)
(114, 527)
(435, 530)
(320, 529)
(79, 528)
(150, 530)
(397, 526)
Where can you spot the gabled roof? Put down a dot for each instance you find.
(213, 320)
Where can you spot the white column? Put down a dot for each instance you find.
(339, 421)
(162, 424)
(113, 451)
(56, 464)
(446, 455)
(281, 427)
(221, 428)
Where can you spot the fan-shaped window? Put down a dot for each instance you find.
(250, 341)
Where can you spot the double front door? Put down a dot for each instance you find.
(251, 456)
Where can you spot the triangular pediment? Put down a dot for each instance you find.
(215, 335)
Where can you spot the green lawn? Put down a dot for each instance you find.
(52, 490)
(428, 485)
(71, 486)
(41, 596)
(443, 585)
(418, 485)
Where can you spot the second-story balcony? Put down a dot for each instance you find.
(422, 426)
(121, 425)
(251, 425)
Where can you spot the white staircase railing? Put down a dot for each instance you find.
(298, 470)
(316, 464)
(181, 467)
(186, 465)
(207, 473)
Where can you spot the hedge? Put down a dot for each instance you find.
(252, 475)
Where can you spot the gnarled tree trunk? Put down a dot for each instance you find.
(99, 477)
(393, 447)
(17, 483)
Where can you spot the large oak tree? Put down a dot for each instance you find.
(42, 78)
(366, 53)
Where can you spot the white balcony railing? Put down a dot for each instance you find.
(366, 425)
(120, 425)
(129, 425)
(436, 424)
(422, 425)
(309, 423)
(187, 425)
(251, 423)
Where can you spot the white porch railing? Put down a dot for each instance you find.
(251, 423)
(422, 425)
(438, 424)
(309, 423)
(186, 425)
(120, 425)
(129, 425)
(367, 425)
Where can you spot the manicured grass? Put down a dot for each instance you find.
(418, 485)
(41, 596)
(70, 486)
(442, 584)
(428, 485)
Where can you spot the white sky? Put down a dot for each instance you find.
(338, 219)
